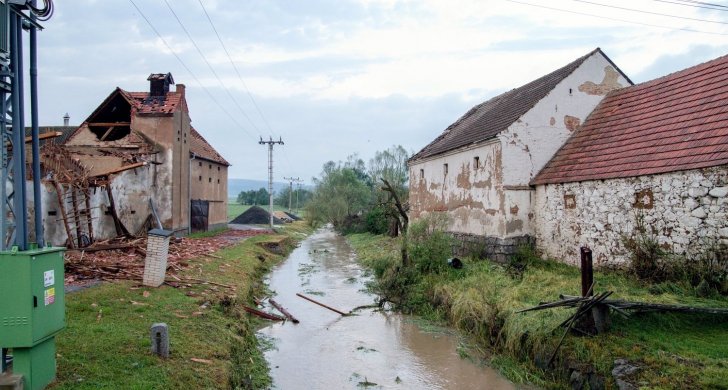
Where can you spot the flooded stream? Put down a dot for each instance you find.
(370, 350)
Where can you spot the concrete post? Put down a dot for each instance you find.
(160, 339)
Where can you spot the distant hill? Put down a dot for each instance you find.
(236, 186)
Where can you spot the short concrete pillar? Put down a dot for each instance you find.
(155, 265)
(160, 339)
(11, 382)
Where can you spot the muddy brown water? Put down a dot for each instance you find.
(373, 349)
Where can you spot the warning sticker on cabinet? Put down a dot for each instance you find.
(50, 296)
(49, 278)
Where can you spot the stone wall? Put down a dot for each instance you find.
(684, 211)
(492, 248)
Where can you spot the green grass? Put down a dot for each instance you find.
(675, 350)
(106, 341)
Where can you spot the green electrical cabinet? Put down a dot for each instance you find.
(32, 311)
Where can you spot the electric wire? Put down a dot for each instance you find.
(650, 12)
(227, 53)
(194, 43)
(617, 19)
(202, 86)
(691, 4)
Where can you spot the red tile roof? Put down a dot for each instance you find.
(674, 123)
(145, 104)
(202, 149)
(487, 119)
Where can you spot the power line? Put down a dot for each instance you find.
(616, 19)
(697, 5)
(650, 12)
(189, 36)
(188, 69)
(235, 67)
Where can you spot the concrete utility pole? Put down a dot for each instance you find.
(270, 144)
(290, 190)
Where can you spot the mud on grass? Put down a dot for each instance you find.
(673, 350)
(106, 342)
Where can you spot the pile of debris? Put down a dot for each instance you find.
(123, 258)
(255, 216)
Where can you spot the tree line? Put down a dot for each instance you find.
(280, 198)
(355, 195)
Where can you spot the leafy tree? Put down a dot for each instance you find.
(390, 167)
(342, 192)
(253, 197)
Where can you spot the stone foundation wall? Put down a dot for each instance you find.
(493, 248)
(684, 211)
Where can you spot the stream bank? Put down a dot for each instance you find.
(667, 350)
(372, 348)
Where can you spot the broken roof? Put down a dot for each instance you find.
(487, 119)
(146, 104)
(202, 149)
(673, 123)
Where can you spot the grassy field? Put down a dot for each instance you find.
(106, 342)
(676, 351)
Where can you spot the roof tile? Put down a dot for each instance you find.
(676, 122)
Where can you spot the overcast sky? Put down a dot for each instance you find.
(338, 77)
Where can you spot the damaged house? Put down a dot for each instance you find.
(651, 161)
(134, 163)
(479, 169)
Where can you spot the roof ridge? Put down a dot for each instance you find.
(500, 111)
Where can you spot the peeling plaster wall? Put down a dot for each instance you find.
(472, 197)
(209, 182)
(530, 143)
(686, 211)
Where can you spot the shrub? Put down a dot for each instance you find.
(376, 221)
(429, 245)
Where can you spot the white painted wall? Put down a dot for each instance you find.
(689, 213)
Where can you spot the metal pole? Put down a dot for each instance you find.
(270, 144)
(290, 195)
(19, 200)
(37, 201)
(270, 183)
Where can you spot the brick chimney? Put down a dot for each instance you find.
(181, 89)
(159, 84)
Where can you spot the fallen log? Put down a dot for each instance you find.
(321, 304)
(262, 314)
(283, 310)
(648, 307)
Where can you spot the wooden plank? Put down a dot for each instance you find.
(50, 134)
(59, 190)
(283, 310)
(122, 169)
(106, 134)
(106, 124)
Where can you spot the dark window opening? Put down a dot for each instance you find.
(133, 211)
(476, 162)
(218, 168)
(218, 181)
(210, 166)
(52, 213)
(200, 163)
(200, 178)
(422, 173)
(209, 180)
(444, 168)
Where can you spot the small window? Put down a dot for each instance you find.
(200, 163)
(476, 162)
(218, 168)
(422, 173)
(444, 168)
(200, 178)
(210, 166)
(218, 181)
(52, 213)
(209, 180)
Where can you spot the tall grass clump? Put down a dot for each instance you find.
(429, 244)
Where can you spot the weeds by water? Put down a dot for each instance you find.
(481, 300)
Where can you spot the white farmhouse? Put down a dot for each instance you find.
(652, 159)
(479, 169)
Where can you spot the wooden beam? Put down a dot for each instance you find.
(122, 169)
(106, 134)
(107, 124)
(50, 134)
